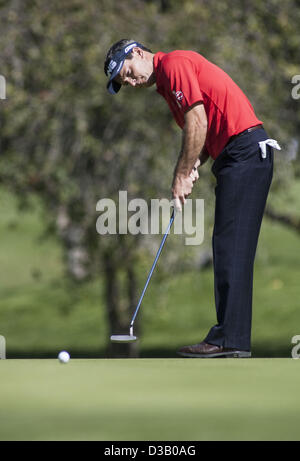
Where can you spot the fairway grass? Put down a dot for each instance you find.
(150, 399)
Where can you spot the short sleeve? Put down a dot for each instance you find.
(182, 78)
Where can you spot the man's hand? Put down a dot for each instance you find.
(194, 174)
(182, 186)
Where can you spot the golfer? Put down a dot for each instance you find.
(217, 120)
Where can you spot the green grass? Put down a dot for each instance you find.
(147, 399)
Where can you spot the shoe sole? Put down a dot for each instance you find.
(233, 354)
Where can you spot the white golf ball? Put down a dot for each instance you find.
(64, 357)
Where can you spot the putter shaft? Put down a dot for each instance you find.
(151, 270)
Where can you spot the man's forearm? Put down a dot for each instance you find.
(193, 140)
(194, 135)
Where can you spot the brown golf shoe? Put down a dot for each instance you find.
(205, 350)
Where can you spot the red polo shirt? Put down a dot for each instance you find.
(184, 78)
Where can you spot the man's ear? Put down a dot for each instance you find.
(138, 52)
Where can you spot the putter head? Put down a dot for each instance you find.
(123, 338)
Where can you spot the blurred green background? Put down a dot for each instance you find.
(65, 144)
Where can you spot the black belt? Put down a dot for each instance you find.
(253, 128)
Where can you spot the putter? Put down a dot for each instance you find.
(130, 338)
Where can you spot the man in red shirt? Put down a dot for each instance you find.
(218, 121)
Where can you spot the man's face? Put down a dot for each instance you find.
(137, 71)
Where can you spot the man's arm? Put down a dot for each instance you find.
(194, 135)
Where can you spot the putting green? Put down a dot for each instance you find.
(150, 399)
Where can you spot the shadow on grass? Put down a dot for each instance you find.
(258, 351)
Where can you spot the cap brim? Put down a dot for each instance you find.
(112, 86)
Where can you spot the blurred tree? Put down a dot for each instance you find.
(64, 138)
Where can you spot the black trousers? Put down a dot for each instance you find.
(243, 182)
